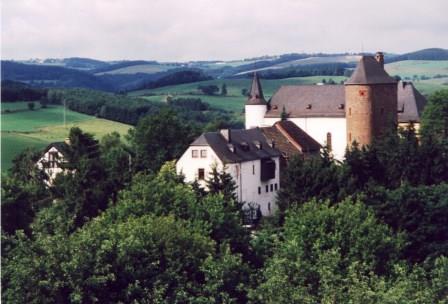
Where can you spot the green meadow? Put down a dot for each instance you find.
(22, 128)
(234, 100)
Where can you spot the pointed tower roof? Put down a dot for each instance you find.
(256, 93)
(369, 71)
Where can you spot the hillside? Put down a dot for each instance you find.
(425, 54)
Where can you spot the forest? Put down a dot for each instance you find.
(370, 229)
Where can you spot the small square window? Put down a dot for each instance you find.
(194, 153)
(203, 153)
(201, 174)
(267, 188)
(259, 190)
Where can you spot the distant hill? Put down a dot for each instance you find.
(426, 54)
(51, 76)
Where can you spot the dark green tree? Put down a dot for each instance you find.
(435, 117)
(31, 106)
(157, 139)
(224, 89)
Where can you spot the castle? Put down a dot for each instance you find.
(302, 119)
(364, 107)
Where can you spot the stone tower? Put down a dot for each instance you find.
(256, 106)
(371, 101)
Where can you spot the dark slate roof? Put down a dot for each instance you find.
(256, 93)
(369, 71)
(237, 138)
(326, 101)
(308, 101)
(410, 103)
(290, 139)
(61, 146)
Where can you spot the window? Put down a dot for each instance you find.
(203, 153)
(269, 207)
(201, 174)
(259, 190)
(349, 137)
(253, 169)
(267, 188)
(349, 111)
(276, 187)
(53, 159)
(194, 153)
(329, 146)
(272, 187)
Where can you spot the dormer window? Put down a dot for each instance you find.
(231, 148)
(258, 144)
(244, 146)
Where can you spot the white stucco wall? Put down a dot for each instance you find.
(51, 172)
(188, 166)
(254, 115)
(242, 173)
(250, 181)
(318, 127)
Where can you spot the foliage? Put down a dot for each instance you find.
(224, 89)
(23, 193)
(435, 117)
(157, 139)
(421, 212)
(342, 254)
(304, 179)
(31, 106)
(208, 89)
(12, 91)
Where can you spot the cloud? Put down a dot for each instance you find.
(207, 29)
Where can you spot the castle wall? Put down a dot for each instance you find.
(318, 128)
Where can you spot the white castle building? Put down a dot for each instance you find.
(301, 119)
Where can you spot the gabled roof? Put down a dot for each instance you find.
(369, 71)
(256, 93)
(61, 146)
(410, 102)
(290, 139)
(308, 101)
(238, 140)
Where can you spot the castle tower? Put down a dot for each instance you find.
(256, 106)
(371, 101)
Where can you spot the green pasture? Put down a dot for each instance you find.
(234, 100)
(409, 68)
(36, 129)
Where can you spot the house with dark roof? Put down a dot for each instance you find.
(253, 157)
(363, 108)
(53, 158)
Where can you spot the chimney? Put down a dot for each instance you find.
(379, 56)
(226, 133)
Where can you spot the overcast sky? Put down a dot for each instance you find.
(180, 30)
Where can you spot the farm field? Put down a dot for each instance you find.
(234, 100)
(36, 129)
(409, 68)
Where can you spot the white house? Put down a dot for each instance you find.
(52, 159)
(246, 155)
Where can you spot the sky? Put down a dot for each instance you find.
(183, 30)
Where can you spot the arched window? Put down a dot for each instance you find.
(329, 145)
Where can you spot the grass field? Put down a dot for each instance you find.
(234, 100)
(36, 129)
(409, 68)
